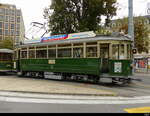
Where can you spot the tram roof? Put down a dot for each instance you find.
(6, 51)
(91, 39)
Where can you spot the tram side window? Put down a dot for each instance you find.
(52, 53)
(32, 54)
(24, 54)
(115, 51)
(41, 54)
(78, 52)
(1, 56)
(64, 52)
(91, 52)
(5, 56)
(8, 57)
(129, 51)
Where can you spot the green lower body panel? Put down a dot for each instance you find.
(6, 66)
(120, 68)
(77, 66)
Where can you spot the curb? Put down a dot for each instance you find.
(45, 93)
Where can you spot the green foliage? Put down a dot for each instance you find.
(79, 15)
(141, 32)
(6, 43)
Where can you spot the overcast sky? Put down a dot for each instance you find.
(33, 9)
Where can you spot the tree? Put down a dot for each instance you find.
(6, 43)
(79, 15)
(141, 32)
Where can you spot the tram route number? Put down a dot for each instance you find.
(118, 67)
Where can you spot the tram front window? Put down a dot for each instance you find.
(115, 51)
(122, 52)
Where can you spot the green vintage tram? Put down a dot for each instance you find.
(97, 59)
(6, 56)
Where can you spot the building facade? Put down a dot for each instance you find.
(115, 25)
(142, 60)
(11, 23)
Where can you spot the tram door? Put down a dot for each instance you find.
(104, 53)
(18, 61)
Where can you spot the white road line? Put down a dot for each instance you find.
(58, 99)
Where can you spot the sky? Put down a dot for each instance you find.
(32, 10)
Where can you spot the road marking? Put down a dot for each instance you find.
(138, 110)
(72, 100)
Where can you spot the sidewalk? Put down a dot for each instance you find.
(145, 71)
(31, 85)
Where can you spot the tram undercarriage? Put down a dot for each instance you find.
(79, 77)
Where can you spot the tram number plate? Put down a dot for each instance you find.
(118, 67)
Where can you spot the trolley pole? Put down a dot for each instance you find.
(131, 25)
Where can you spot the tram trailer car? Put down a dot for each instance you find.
(100, 58)
(6, 63)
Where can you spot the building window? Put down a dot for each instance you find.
(6, 25)
(1, 18)
(12, 32)
(6, 18)
(12, 26)
(2, 11)
(17, 39)
(12, 12)
(1, 38)
(12, 19)
(17, 33)
(113, 25)
(18, 26)
(6, 33)
(7, 12)
(18, 19)
(1, 25)
(1, 32)
(18, 13)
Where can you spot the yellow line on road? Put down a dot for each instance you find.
(138, 110)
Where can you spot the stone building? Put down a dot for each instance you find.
(116, 24)
(142, 60)
(11, 23)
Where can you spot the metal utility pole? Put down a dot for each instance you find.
(131, 27)
(131, 23)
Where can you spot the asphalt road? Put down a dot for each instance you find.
(10, 107)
